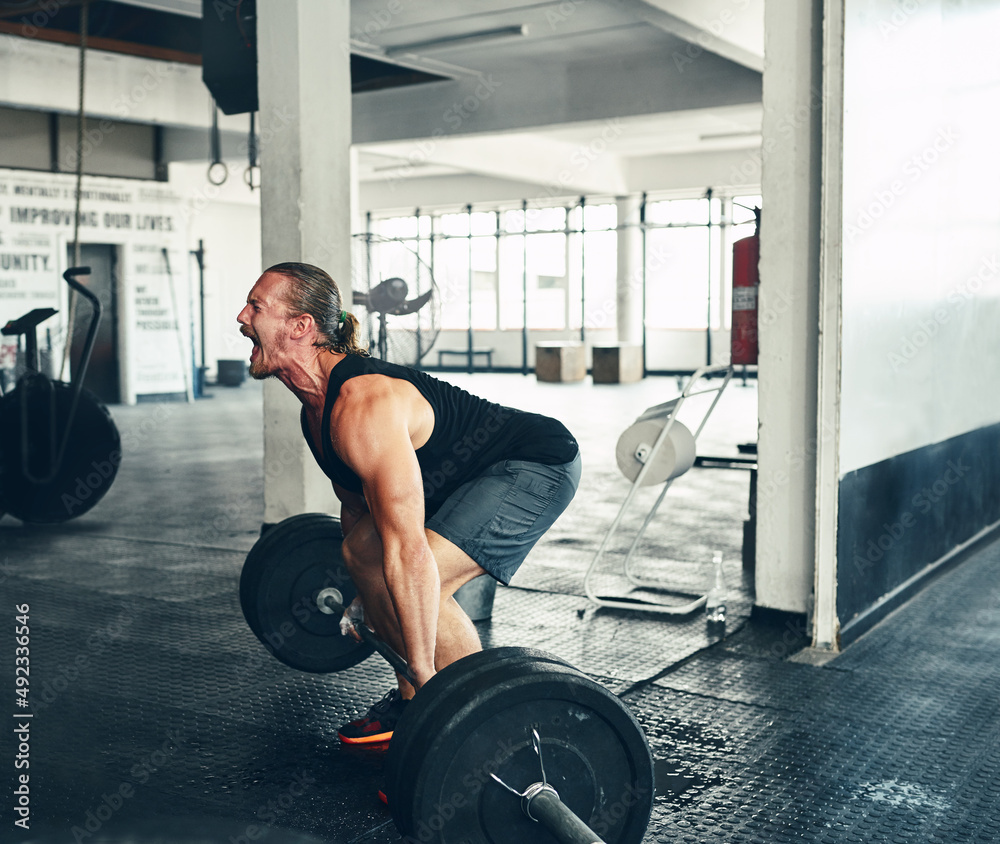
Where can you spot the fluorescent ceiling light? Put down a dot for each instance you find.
(449, 41)
(718, 136)
(402, 163)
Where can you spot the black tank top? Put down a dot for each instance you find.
(470, 434)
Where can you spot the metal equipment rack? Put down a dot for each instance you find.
(668, 411)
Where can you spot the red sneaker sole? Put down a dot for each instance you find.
(375, 738)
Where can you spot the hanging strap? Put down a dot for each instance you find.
(80, 119)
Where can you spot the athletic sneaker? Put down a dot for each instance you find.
(378, 724)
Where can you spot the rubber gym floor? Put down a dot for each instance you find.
(158, 717)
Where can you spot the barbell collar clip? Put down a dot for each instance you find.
(536, 742)
(549, 810)
(541, 803)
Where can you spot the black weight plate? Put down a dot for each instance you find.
(281, 577)
(415, 734)
(253, 565)
(443, 691)
(595, 754)
(90, 461)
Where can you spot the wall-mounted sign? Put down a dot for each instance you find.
(139, 222)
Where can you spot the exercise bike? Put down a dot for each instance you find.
(59, 446)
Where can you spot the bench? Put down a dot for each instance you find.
(464, 353)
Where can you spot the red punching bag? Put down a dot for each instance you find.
(746, 281)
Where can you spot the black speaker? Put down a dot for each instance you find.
(229, 53)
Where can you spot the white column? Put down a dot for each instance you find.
(788, 305)
(825, 618)
(630, 261)
(305, 125)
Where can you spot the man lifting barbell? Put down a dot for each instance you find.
(437, 486)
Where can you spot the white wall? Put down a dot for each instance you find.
(227, 219)
(921, 255)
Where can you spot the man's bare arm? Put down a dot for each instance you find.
(371, 431)
(352, 508)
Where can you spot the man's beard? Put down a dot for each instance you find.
(258, 373)
(256, 369)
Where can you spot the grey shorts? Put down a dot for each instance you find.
(498, 517)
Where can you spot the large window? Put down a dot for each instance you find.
(681, 262)
(594, 264)
(556, 267)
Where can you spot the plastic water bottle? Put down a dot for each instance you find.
(715, 602)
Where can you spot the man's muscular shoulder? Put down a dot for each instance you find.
(364, 394)
(375, 400)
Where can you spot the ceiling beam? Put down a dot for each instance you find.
(529, 96)
(109, 45)
(590, 167)
(699, 39)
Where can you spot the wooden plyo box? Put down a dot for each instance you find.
(620, 363)
(560, 360)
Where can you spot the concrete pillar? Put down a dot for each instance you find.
(305, 125)
(630, 261)
(788, 305)
(826, 625)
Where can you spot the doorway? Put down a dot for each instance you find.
(103, 376)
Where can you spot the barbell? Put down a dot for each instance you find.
(505, 745)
